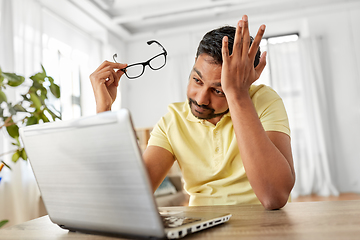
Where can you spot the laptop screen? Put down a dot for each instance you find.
(91, 175)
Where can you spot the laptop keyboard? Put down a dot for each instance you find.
(174, 221)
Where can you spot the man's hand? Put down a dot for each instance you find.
(266, 156)
(238, 72)
(105, 81)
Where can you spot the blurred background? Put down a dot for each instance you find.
(313, 62)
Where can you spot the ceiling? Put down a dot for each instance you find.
(133, 18)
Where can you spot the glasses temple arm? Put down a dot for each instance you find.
(154, 41)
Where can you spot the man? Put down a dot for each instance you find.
(231, 138)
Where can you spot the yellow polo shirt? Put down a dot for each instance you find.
(208, 154)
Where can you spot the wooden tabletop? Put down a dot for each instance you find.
(306, 220)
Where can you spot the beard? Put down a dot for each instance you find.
(203, 111)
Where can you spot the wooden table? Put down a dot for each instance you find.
(306, 220)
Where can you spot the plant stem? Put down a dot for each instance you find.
(12, 151)
(6, 123)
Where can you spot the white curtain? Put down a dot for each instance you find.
(296, 72)
(30, 36)
(20, 45)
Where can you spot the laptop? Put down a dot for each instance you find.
(92, 179)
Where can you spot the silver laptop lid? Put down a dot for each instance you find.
(91, 176)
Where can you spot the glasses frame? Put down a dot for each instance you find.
(144, 64)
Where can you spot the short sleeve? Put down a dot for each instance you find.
(159, 135)
(271, 110)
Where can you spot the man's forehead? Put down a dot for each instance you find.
(200, 74)
(211, 60)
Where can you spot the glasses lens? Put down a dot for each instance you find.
(157, 62)
(134, 71)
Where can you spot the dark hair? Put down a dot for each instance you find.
(212, 42)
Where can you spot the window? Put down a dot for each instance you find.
(69, 56)
(265, 77)
(283, 74)
(63, 63)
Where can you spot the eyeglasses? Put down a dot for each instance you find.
(137, 69)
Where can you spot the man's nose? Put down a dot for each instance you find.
(203, 97)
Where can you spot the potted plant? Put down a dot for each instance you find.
(33, 108)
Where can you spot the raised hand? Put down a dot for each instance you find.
(105, 80)
(238, 71)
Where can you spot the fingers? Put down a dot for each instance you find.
(104, 81)
(105, 73)
(246, 35)
(225, 49)
(260, 67)
(111, 64)
(111, 76)
(238, 40)
(115, 76)
(118, 73)
(242, 38)
(256, 43)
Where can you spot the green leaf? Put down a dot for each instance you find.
(13, 79)
(19, 108)
(1, 80)
(53, 115)
(36, 100)
(43, 94)
(3, 97)
(23, 154)
(32, 120)
(39, 77)
(25, 97)
(51, 80)
(42, 67)
(13, 131)
(44, 118)
(15, 157)
(11, 109)
(55, 90)
(33, 89)
(3, 222)
(37, 85)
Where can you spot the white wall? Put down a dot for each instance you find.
(148, 97)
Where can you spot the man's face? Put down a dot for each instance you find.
(204, 92)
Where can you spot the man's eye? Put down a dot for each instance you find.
(196, 80)
(218, 92)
